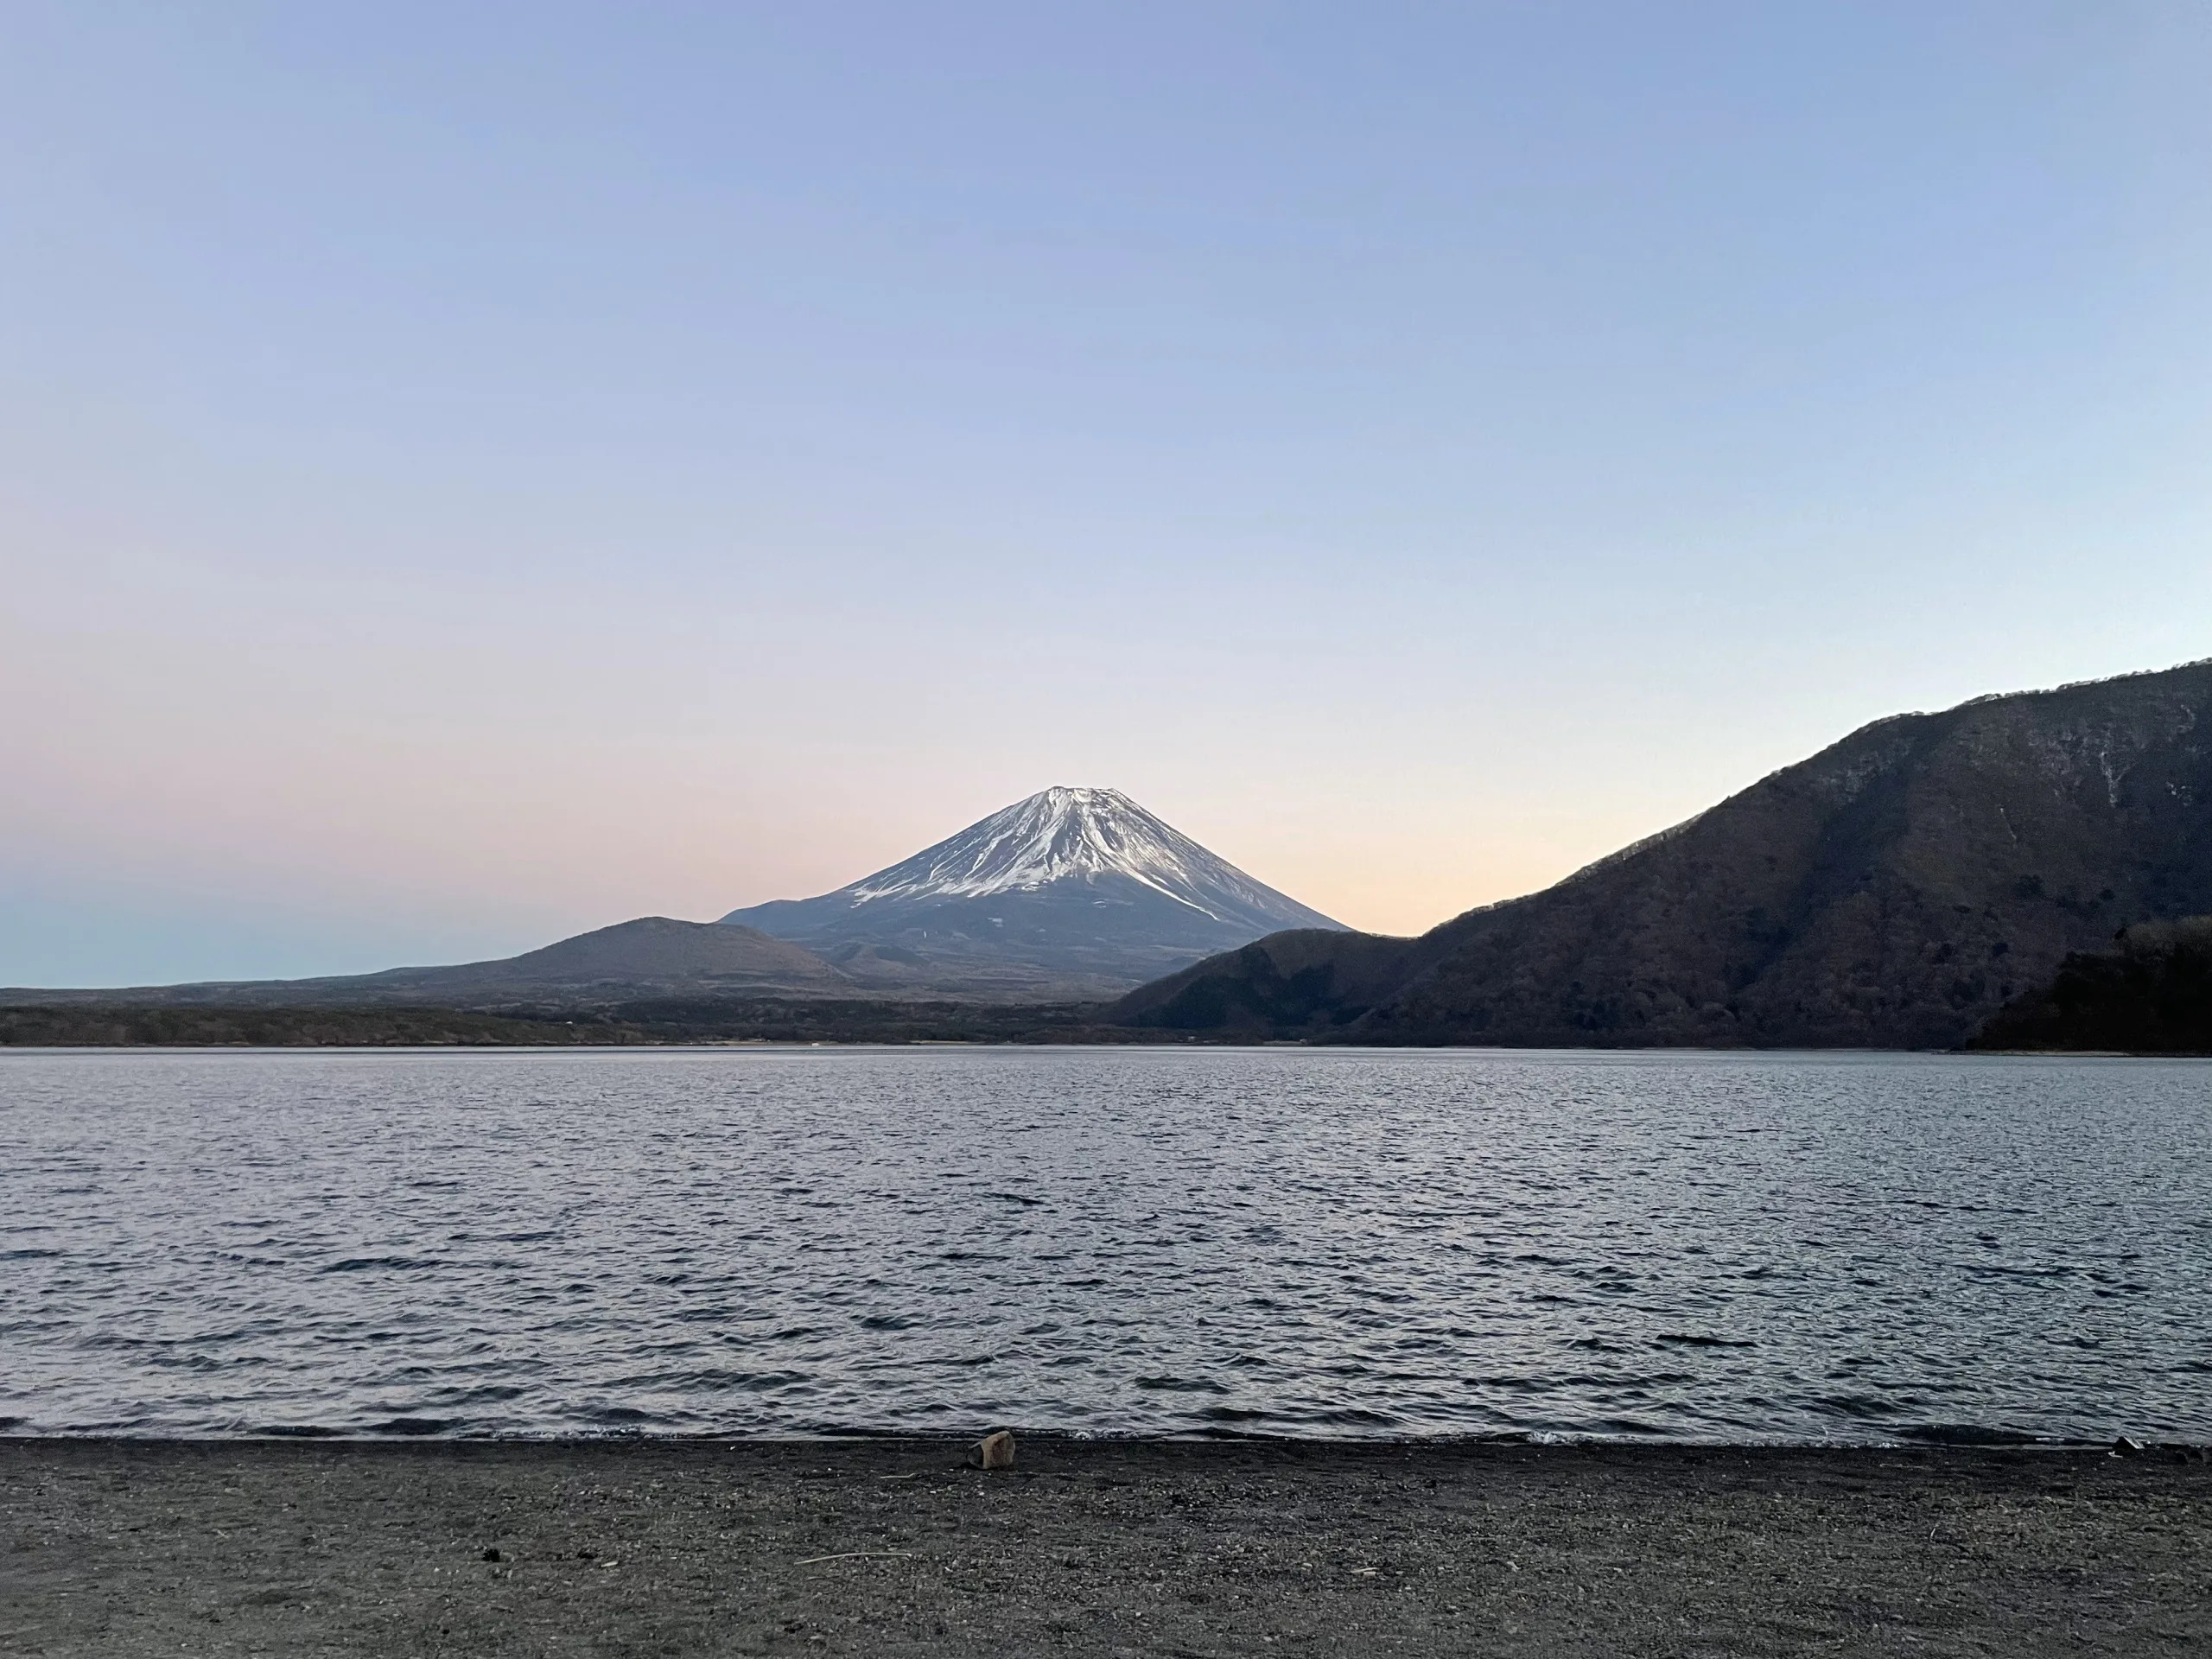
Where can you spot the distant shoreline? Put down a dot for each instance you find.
(190, 1025)
(782, 1024)
(893, 1547)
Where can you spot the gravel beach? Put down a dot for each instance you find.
(892, 1547)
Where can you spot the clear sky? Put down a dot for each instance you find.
(473, 472)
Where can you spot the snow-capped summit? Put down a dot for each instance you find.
(1062, 833)
(1078, 888)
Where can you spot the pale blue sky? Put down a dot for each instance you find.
(470, 473)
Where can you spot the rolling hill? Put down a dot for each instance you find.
(650, 956)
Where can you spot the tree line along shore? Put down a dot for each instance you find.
(172, 1025)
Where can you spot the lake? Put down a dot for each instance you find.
(1331, 1242)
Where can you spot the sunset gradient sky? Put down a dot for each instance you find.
(470, 473)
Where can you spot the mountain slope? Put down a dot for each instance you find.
(1071, 890)
(650, 957)
(1894, 890)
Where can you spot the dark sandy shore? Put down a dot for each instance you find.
(893, 1547)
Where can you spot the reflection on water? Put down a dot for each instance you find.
(1723, 1247)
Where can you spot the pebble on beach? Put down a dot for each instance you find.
(992, 1452)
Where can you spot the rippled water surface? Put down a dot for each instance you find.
(1731, 1247)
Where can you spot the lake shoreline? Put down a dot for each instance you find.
(893, 1546)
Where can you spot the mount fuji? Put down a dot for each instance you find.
(1072, 891)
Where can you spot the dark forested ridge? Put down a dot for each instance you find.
(2151, 994)
(1895, 890)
